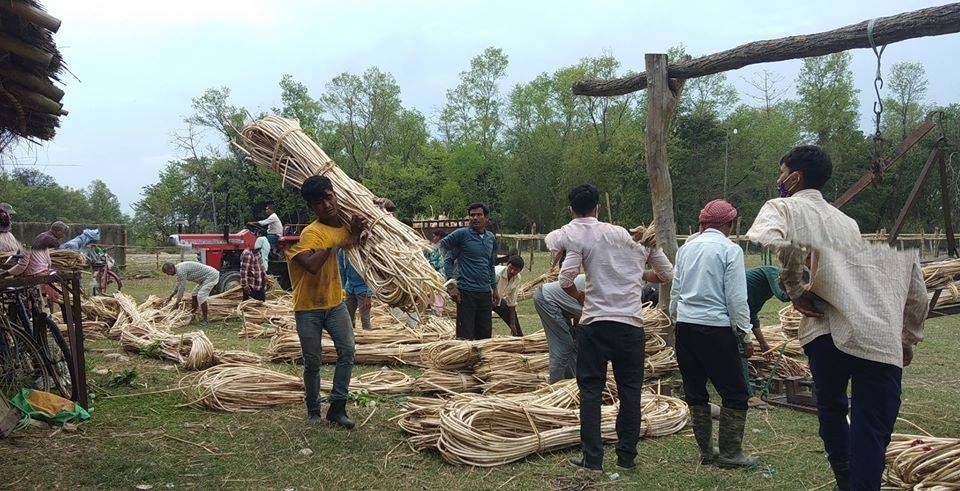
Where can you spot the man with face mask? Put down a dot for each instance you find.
(863, 310)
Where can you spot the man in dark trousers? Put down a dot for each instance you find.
(473, 249)
(611, 325)
(708, 302)
(863, 308)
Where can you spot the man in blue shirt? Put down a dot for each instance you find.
(358, 293)
(708, 301)
(474, 290)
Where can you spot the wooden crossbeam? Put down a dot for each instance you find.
(933, 21)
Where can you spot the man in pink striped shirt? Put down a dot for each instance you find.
(611, 326)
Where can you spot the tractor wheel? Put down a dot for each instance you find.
(228, 280)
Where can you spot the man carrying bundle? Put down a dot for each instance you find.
(708, 302)
(318, 296)
(474, 250)
(508, 289)
(206, 277)
(611, 328)
(863, 308)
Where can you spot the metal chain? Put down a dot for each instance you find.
(877, 106)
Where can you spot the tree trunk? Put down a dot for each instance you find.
(932, 21)
(662, 101)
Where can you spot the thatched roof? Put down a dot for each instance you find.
(29, 61)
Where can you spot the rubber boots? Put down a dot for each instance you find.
(703, 431)
(732, 422)
(337, 414)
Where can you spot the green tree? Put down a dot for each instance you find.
(904, 109)
(473, 112)
(366, 112)
(104, 205)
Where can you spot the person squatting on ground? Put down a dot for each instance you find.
(508, 289)
(611, 328)
(359, 295)
(318, 296)
(253, 276)
(206, 277)
(708, 303)
(863, 308)
(471, 252)
(560, 313)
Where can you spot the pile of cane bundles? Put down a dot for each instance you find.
(785, 358)
(923, 462)
(391, 260)
(941, 273)
(60, 260)
(242, 387)
(491, 430)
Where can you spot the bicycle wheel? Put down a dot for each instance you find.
(111, 284)
(58, 355)
(21, 365)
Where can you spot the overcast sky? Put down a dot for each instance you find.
(140, 63)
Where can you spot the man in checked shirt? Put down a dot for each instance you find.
(252, 275)
(863, 310)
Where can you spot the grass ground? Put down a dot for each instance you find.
(141, 436)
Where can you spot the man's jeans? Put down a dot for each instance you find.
(623, 345)
(875, 392)
(310, 325)
(560, 339)
(355, 301)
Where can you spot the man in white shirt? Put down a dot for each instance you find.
(864, 309)
(508, 289)
(206, 278)
(611, 326)
(708, 302)
(273, 224)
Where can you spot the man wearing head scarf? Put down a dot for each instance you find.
(708, 301)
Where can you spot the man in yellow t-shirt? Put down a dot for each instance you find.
(318, 296)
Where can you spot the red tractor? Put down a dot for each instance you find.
(222, 251)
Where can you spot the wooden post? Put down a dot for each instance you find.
(662, 101)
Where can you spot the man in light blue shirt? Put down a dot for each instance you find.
(708, 301)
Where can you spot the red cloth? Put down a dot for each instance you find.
(717, 212)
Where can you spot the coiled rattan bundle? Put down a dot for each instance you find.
(391, 261)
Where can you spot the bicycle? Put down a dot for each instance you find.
(103, 274)
(33, 351)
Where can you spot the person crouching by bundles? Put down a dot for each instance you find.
(708, 302)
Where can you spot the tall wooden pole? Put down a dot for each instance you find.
(662, 98)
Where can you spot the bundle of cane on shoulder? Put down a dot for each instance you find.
(391, 261)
